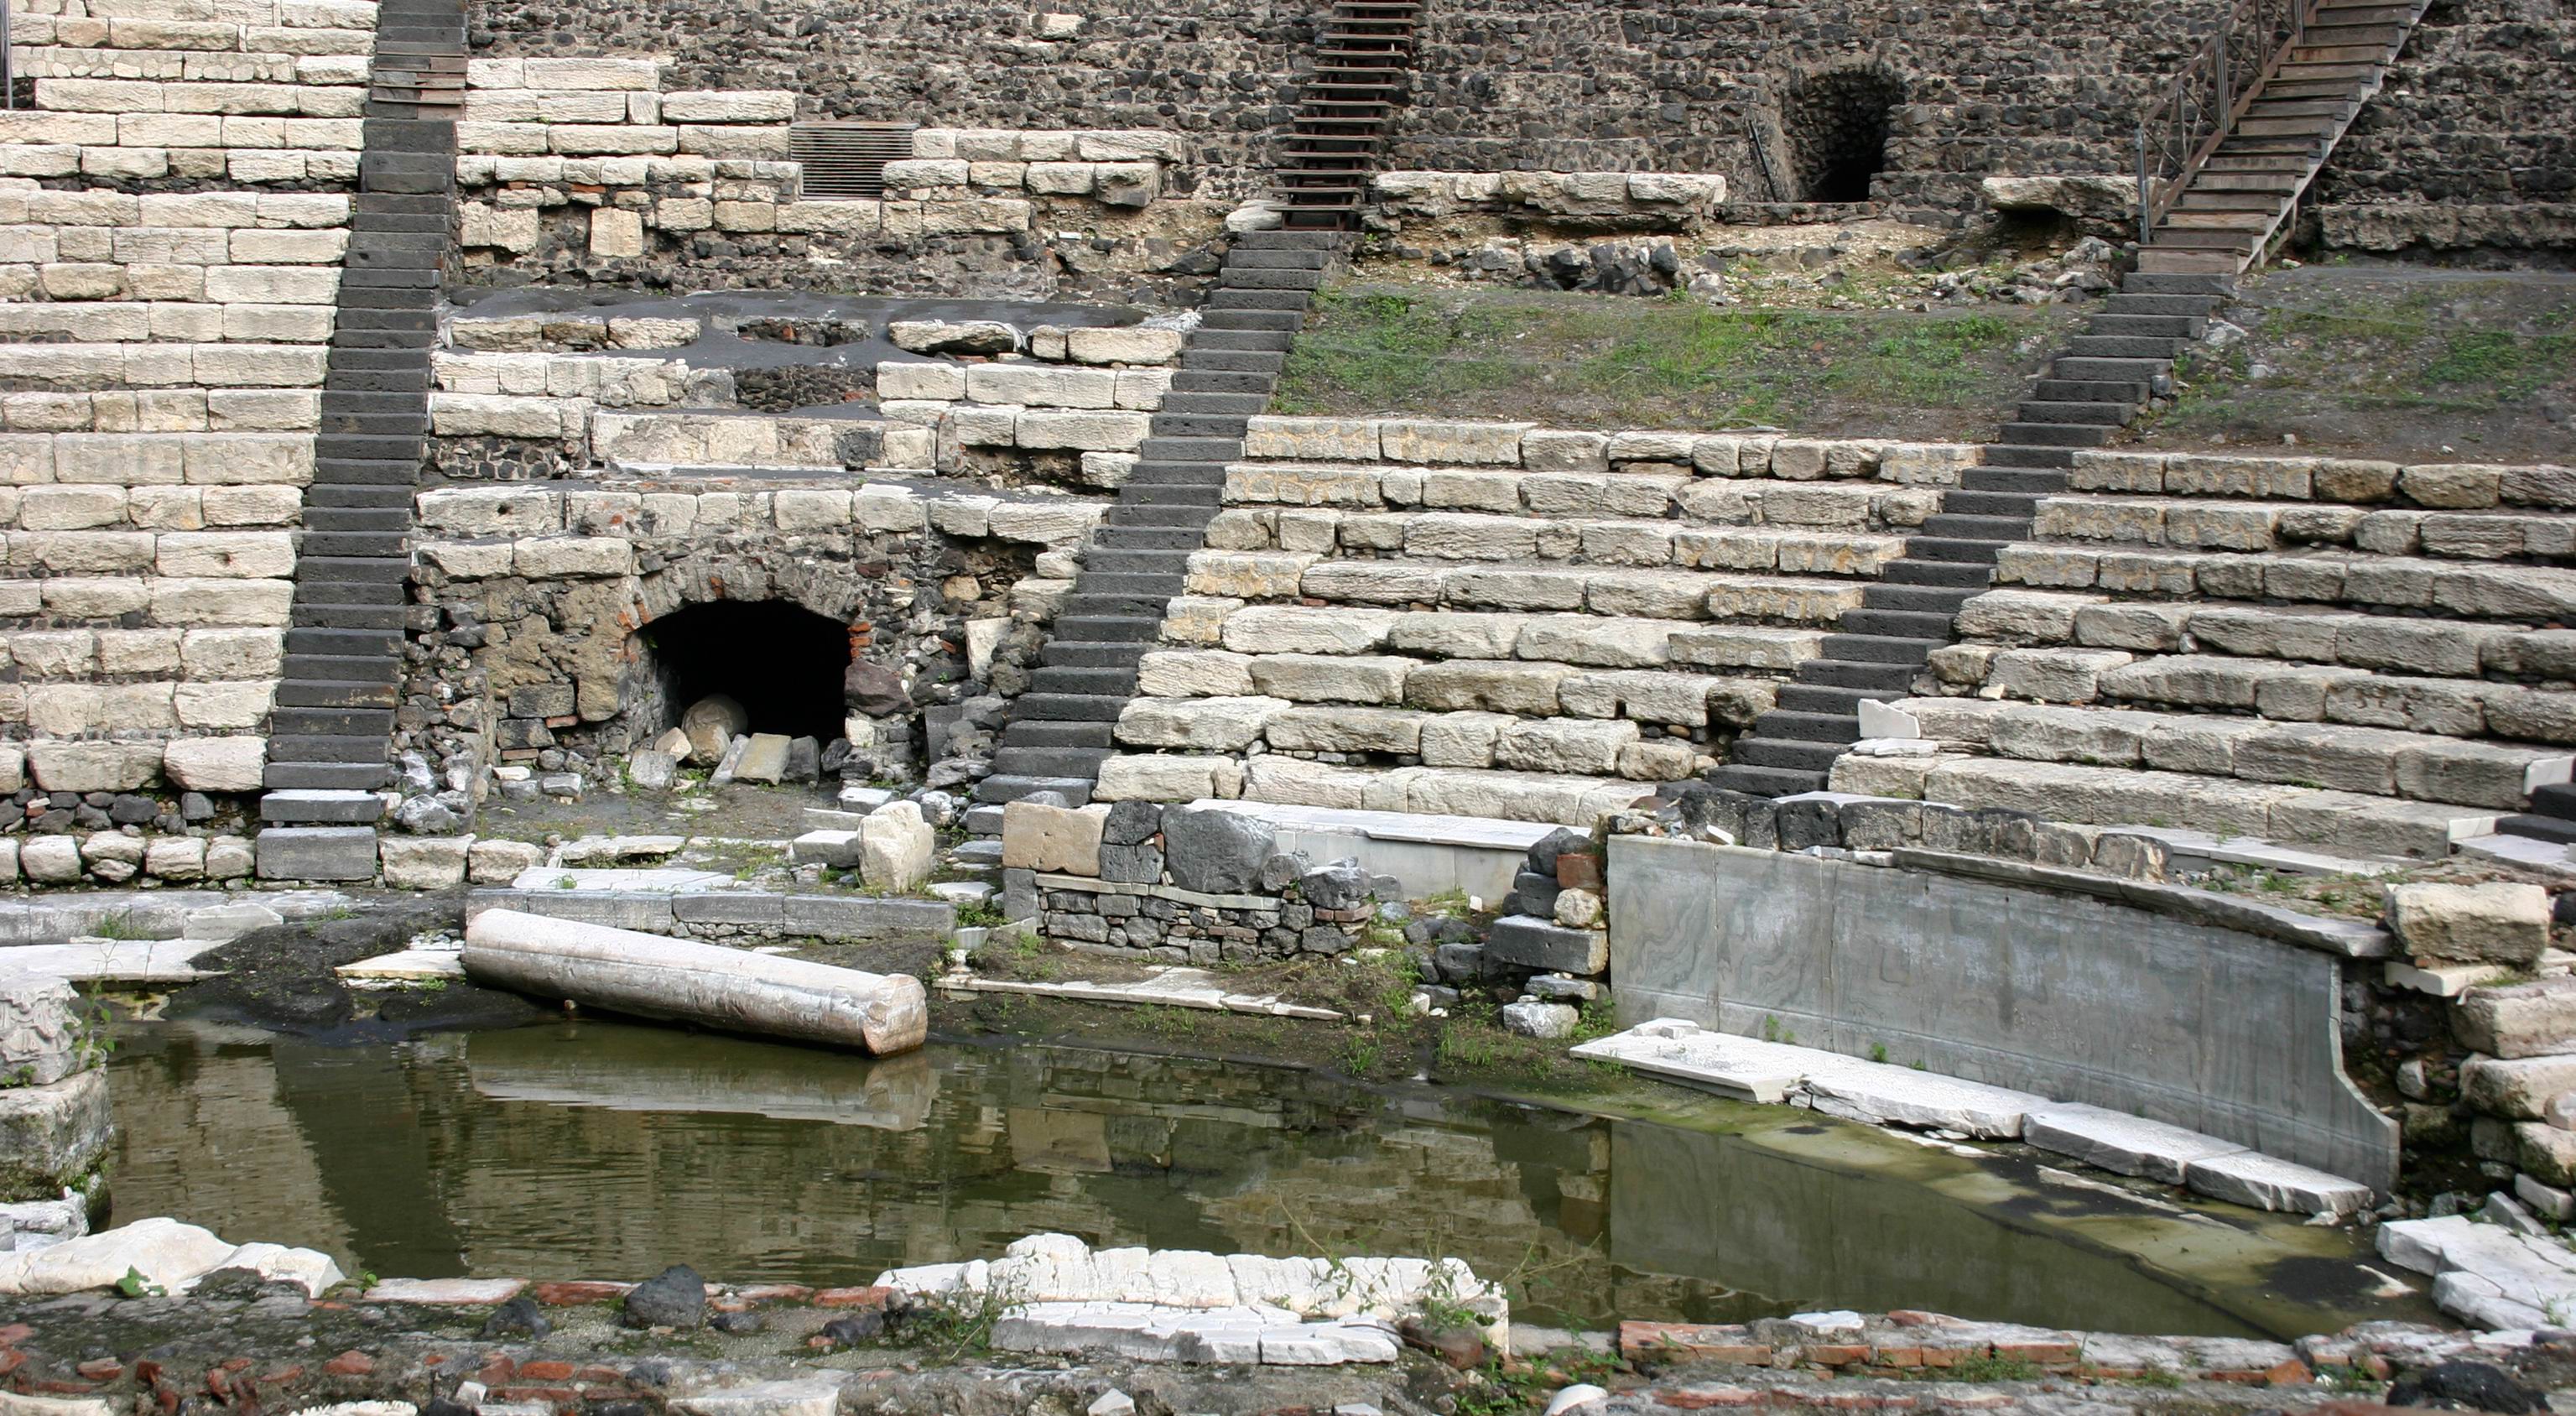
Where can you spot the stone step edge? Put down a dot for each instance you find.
(1773, 1073)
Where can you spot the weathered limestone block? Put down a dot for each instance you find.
(2492, 923)
(2536, 1019)
(1458, 635)
(1154, 777)
(1207, 724)
(424, 862)
(52, 1135)
(1344, 729)
(219, 764)
(1331, 678)
(39, 1029)
(1282, 629)
(1194, 674)
(897, 847)
(2518, 1088)
(1451, 444)
(1528, 690)
(1564, 745)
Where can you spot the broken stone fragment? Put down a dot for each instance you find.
(711, 725)
(874, 690)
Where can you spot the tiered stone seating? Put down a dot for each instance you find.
(174, 212)
(2342, 654)
(1498, 621)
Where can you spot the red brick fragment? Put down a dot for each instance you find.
(500, 1369)
(350, 1364)
(236, 1364)
(1579, 872)
(609, 1375)
(15, 1333)
(62, 1386)
(774, 1293)
(101, 1369)
(853, 1297)
(10, 1358)
(546, 1371)
(280, 1377)
(575, 1294)
(1834, 1354)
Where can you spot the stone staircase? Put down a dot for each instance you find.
(1060, 730)
(334, 717)
(1344, 111)
(2552, 816)
(2091, 391)
(2232, 196)
(2235, 195)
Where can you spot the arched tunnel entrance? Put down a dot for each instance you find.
(782, 662)
(1838, 126)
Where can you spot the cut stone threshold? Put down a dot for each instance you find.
(1168, 987)
(660, 900)
(1880, 1093)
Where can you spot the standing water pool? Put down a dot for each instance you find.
(608, 1150)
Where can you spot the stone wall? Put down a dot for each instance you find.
(529, 599)
(2478, 113)
(595, 167)
(1784, 102)
(1216, 74)
(175, 214)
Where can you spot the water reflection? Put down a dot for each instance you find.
(607, 1150)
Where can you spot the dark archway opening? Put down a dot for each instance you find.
(783, 663)
(1838, 125)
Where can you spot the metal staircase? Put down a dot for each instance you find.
(2223, 157)
(1345, 109)
(2227, 151)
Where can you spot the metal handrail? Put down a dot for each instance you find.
(2204, 101)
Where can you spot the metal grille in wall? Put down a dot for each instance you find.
(847, 160)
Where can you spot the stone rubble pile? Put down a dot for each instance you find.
(163, 1255)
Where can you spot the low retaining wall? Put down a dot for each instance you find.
(2079, 998)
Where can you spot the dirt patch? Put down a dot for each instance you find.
(2385, 360)
(1593, 361)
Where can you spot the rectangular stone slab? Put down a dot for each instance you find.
(732, 989)
(2117, 1141)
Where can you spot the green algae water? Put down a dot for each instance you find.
(608, 1150)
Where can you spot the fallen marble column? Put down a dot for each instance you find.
(731, 989)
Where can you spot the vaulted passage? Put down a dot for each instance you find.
(783, 663)
(1837, 126)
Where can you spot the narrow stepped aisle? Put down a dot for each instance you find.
(2232, 192)
(1064, 727)
(1060, 730)
(334, 717)
(2091, 391)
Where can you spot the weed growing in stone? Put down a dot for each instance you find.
(119, 926)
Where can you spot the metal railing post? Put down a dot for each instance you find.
(2143, 205)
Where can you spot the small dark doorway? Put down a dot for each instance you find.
(1838, 126)
(783, 663)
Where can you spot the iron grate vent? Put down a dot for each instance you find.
(845, 161)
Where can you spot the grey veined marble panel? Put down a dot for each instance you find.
(2075, 998)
